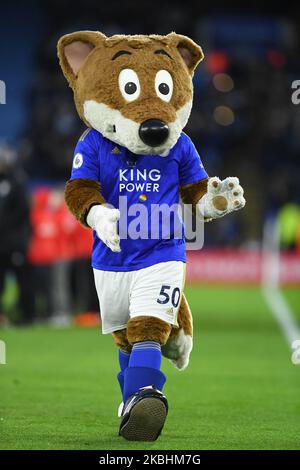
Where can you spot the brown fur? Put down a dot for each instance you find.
(184, 319)
(121, 341)
(80, 195)
(139, 330)
(192, 193)
(146, 328)
(94, 52)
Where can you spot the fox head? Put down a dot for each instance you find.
(136, 90)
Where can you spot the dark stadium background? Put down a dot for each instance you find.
(243, 124)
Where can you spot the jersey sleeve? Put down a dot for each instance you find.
(86, 157)
(191, 168)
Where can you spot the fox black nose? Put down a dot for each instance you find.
(154, 132)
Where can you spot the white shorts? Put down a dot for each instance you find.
(154, 291)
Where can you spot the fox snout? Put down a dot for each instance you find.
(154, 132)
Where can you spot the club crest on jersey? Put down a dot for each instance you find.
(78, 161)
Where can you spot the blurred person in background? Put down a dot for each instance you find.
(84, 293)
(50, 253)
(61, 270)
(42, 253)
(59, 255)
(15, 231)
(289, 222)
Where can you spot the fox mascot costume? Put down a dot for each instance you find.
(135, 95)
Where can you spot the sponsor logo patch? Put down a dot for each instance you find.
(116, 151)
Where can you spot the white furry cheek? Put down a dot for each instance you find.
(183, 113)
(114, 126)
(125, 132)
(99, 116)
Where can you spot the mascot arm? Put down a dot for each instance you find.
(80, 195)
(84, 199)
(212, 198)
(192, 193)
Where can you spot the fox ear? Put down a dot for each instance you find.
(74, 48)
(190, 52)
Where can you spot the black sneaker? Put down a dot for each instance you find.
(144, 415)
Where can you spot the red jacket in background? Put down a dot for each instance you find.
(83, 241)
(56, 235)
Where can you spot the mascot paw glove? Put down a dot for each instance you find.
(222, 197)
(104, 221)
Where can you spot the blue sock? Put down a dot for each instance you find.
(143, 369)
(146, 354)
(123, 361)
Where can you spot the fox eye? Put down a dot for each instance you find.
(164, 85)
(129, 84)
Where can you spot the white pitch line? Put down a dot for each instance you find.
(270, 285)
(282, 313)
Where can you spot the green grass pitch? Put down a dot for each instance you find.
(58, 389)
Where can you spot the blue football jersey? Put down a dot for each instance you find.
(138, 185)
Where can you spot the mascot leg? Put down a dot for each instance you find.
(180, 342)
(121, 341)
(145, 406)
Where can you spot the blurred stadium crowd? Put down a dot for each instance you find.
(44, 247)
(243, 123)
